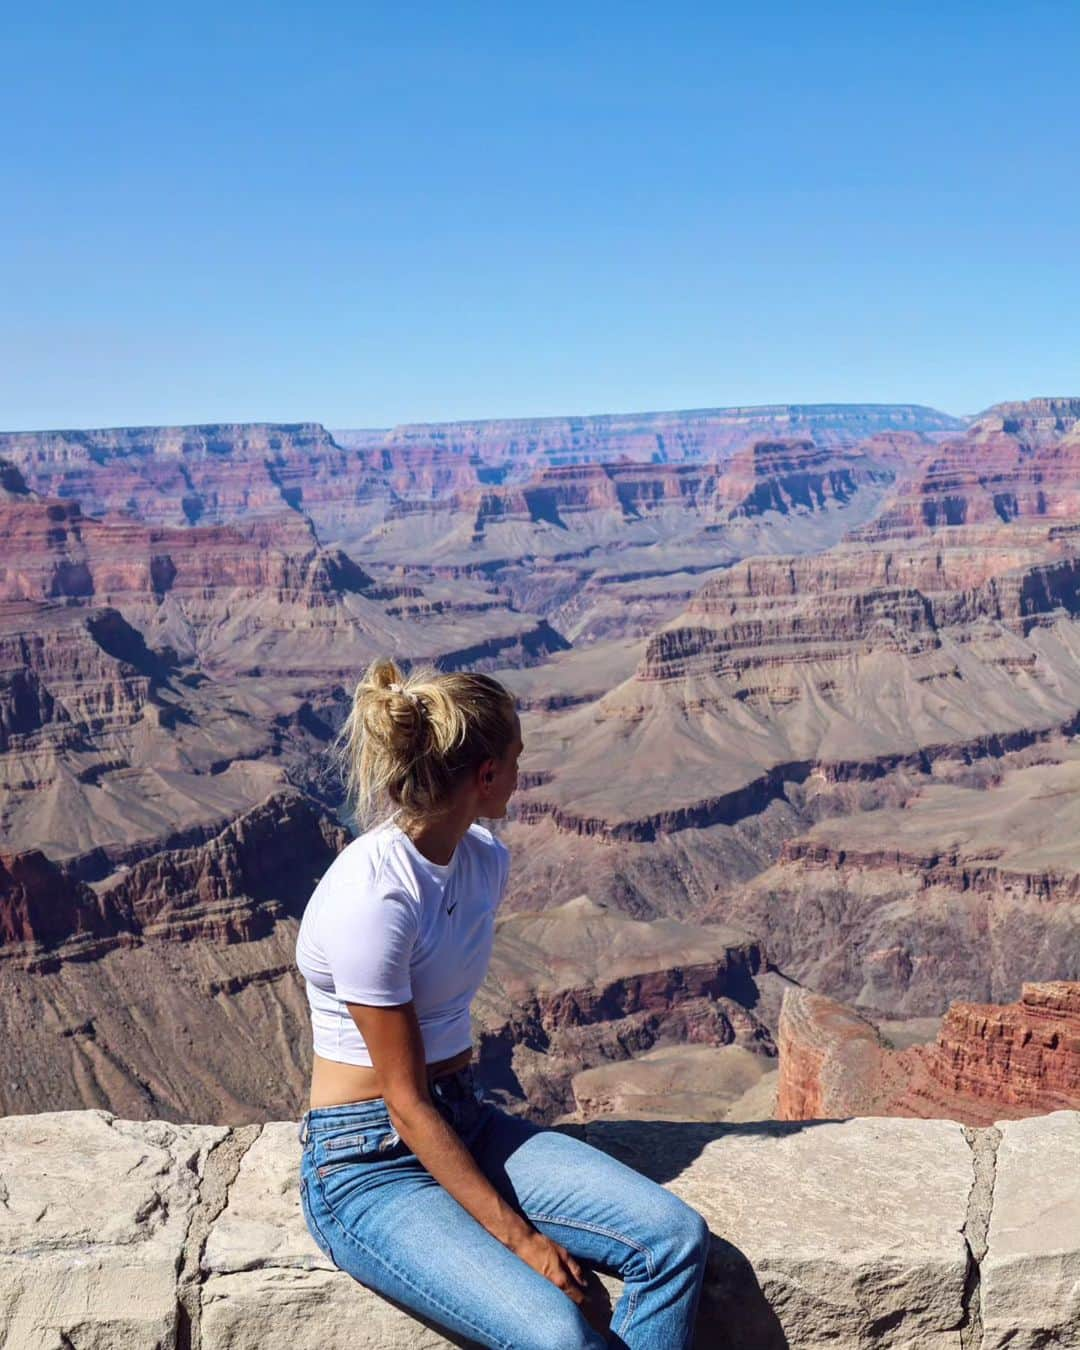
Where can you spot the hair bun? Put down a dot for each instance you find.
(413, 761)
(398, 688)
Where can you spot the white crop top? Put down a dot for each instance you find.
(386, 925)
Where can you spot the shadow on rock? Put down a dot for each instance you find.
(734, 1313)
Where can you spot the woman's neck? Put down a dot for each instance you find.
(438, 839)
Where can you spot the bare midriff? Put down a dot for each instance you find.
(337, 1084)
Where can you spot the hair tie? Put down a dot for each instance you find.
(397, 688)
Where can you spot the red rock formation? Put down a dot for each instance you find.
(1024, 1054)
(1016, 462)
(214, 474)
(990, 1061)
(75, 672)
(781, 476)
(187, 475)
(829, 1055)
(785, 476)
(40, 907)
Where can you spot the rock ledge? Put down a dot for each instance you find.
(843, 1233)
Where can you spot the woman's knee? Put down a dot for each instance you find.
(686, 1234)
(696, 1234)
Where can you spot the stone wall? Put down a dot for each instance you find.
(124, 1235)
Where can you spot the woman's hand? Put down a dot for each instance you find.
(553, 1262)
(556, 1264)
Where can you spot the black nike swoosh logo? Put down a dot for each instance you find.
(452, 907)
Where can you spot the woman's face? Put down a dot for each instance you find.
(505, 776)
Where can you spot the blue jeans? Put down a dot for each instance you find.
(377, 1212)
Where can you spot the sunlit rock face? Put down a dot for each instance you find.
(989, 1061)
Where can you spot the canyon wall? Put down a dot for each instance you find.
(990, 1061)
(751, 696)
(660, 437)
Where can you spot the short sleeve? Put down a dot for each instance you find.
(369, 948)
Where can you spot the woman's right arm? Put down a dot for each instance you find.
(395, 1044)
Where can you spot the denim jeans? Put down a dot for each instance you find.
(377, 1213)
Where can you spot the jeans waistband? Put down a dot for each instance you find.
(449, 1088)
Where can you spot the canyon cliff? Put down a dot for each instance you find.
(989, 1061)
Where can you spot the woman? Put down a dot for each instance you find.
(481, 1223)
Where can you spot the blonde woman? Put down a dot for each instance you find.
(483, 1224)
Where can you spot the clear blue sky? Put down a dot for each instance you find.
(374, 213)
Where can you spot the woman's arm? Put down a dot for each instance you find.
(394, 1041)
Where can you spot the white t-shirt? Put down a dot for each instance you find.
(386, 925)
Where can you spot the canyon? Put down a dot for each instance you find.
(799, 692)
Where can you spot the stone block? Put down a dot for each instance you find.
(1031, 1271)
(839, 1234)
(94, 1213)
(266, 1282)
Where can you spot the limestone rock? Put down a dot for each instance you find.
(826, 1233)
(94, 1213)
(1031, 1272)
(119, 1235)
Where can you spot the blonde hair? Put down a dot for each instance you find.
(409, 740)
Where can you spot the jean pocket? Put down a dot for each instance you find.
(346, 1150)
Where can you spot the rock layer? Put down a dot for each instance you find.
(989, 1061)
(578, 986)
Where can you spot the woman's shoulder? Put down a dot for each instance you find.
(488, 843)
(370, 864)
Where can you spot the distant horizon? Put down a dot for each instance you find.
(700, 410)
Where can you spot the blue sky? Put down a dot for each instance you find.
(368, 213)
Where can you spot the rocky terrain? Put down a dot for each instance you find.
(604, 550)
(799, 691)
(579, 996)
(204, 1222)
(157, 678)
(989, 1061)
(960, 890)
(213, 474)
(807, 717)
